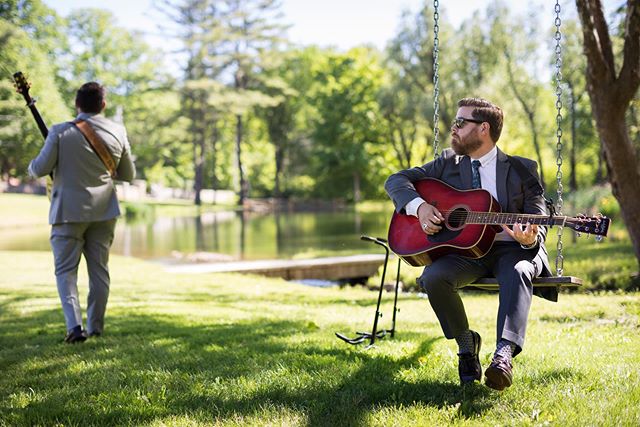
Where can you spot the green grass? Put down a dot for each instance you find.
(193, 350)
(22, 210)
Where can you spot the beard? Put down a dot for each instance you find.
(463, 147)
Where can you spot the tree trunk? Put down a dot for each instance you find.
(610, 96)
(197, 131)
(243, 182)
(600, 179)
(622, 170)
(356, 187)
(531, 117)
(198, 161)
(214, 159)
(277, 191)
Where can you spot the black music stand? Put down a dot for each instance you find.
(363, 336)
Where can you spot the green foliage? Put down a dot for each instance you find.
(20, 139)
(251, 112)
(242, 350)
(594, 200)
(342, 119)
(344, 96)
(142, 212)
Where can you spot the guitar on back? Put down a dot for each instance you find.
(472, 219)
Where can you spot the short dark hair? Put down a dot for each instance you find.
(90, 97)
(487, 112)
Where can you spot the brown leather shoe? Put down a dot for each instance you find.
(469, 367)
(499, 374)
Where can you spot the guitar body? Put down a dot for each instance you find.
(407, 240)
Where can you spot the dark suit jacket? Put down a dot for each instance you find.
(455, 170)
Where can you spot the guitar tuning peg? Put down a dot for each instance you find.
(599, 238)
(578, 234)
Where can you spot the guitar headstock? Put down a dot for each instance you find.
(23, 86)
(598, 225)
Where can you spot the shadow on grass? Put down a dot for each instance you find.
(150, 368)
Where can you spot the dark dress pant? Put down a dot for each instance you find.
(513, 267)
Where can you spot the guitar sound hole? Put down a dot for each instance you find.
(457, 218)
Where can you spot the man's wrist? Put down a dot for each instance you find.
(532, 245)
(412, 207)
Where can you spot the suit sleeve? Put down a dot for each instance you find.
(126, 168)
(46, 161)
(535, 204)
(399, 186)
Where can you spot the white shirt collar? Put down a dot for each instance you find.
(489, 157)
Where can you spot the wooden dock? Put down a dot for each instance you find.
(348, 268)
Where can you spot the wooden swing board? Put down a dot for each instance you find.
(490, 283)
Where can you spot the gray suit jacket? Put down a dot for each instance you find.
(513, 195)
(82, 190)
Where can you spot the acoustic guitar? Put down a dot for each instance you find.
(472, 219)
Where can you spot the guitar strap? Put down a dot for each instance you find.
(98, 145)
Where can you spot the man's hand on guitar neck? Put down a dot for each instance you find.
(429, 218)
(527, 237)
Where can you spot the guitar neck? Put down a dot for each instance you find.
(507, 218)
(22, 86)
(36, 115)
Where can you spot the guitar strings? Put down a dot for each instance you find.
(460, 215)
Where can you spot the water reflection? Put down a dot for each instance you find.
(232, 234)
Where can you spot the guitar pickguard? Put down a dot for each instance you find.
(444, 235)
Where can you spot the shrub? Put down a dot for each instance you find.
(138, 211)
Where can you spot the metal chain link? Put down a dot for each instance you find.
(436, 80)
(558, 76)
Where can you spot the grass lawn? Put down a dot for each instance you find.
(191, 350)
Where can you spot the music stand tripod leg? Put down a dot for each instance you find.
(395, 301)
(374, 330)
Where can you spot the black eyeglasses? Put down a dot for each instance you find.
(460, 121)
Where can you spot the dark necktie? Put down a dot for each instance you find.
(475, 174)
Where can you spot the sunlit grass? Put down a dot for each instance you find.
(21, 210)
(245, 350)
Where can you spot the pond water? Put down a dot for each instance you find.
(231, 235)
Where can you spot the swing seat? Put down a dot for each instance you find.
(491, 284)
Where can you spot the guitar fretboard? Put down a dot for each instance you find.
(512, 218)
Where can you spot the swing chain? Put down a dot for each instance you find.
(436, 80)
(558, 78)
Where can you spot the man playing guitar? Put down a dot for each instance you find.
(515, 257)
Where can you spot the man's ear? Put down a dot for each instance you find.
(104, 105)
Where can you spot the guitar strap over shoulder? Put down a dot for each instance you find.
(98, 145)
